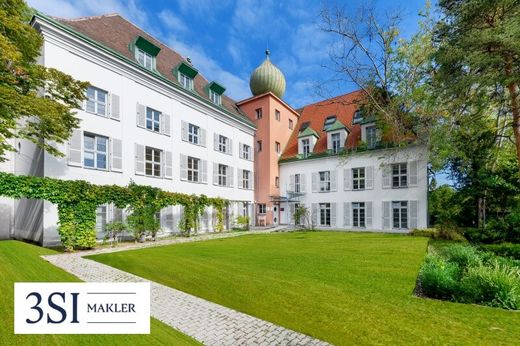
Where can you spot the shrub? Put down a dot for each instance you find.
(439, 278)
(495, 284)
(243, 222)
(449, 233)
(424, 232)
(462, 255)
(504, 249)
(114, 230)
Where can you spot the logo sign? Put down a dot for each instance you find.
(82, 308)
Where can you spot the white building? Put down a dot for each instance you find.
(335, 165)
(150, 117)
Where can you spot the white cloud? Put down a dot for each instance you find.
(172, 22)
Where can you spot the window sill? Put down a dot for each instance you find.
(196, 144)
(223, 152)
(159, 133)
(106, 116)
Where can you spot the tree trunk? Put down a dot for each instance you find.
(515, 110)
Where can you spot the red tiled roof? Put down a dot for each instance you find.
(343, 107)
(116, 33)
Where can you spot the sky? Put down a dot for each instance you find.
(226, 39)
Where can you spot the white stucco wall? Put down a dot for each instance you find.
(376, 195)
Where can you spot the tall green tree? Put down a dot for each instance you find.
(36, 103)
(478, 59)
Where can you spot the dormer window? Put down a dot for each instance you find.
(336, 142)
(185, 74)
(306, 147)
(215, 98)
(358, 117)
(145, 52)
(328, 122)
(215, 92)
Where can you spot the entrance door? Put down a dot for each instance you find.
(276, 215)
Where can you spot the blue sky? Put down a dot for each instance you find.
(226, 39)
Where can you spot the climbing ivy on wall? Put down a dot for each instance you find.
(77, 201)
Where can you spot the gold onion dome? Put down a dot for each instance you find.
(267, 77)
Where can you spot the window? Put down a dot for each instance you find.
(246, 176)
(95, 151)
(399, 175)
(153, 162)
(400, 214)
(291, 124)
(335, 138)
(258, 112)
(371, 136)
(306, 143)
(97, 100)
(277, 114)
(358, 116)
(277, 181)
(193, 134)
(246, 152)
(358, 214)
(297, 187)
(358, 178)
(222, 175)
(101, 218)
(259, 145)
(324, 214)
(153, 119)
(328, 122)
(144, 59)
(222, 144)
(185, 81)
(215, 97)
(277, 147)
(262, 209)
(193, 169)
(324, 181)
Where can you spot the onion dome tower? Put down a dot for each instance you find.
(267, 77)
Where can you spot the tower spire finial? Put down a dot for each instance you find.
(267, 53)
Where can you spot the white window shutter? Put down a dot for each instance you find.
(202, 141)
(116, 155)
(215, 141)
(204, 171)
(291, 182)
(368, 214)
(333, 212)
(184, 131)
(346, 214)
(168, 165)
(413, 210)
(386, 214)
(75, 149)
(166, 119)
(240, 150)
(412, 173)
(230, 146)
(184, 167)
(230, 176)
(347, 179)
(314, 213)
(141, 115)
(369, 178)
(387, 176)
(215, 173)
(314, 182)
(251, 180)
(240, 178)
(114, 107)
(139, 159)
(291, 213)
(303, 182)
(333, 180)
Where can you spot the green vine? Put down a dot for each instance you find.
(77, 201)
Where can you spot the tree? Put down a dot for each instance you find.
(24, 113)
(478, 58)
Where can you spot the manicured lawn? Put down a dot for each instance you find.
(341, 287)
(20, 262)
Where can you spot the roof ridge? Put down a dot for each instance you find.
(331, 98)
(77, 19)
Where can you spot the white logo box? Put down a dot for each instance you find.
(82, 308)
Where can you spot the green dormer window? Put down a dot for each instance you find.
(185, 74)
(215, 92)
(145, 52)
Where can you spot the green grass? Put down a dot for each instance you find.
(21, 262)
(341, 287)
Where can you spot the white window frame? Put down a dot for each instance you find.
(193, 134)
(399, 175)
(324, 180)
(262, 209)
(193, 169)
(153, 163)
(144, 59)
(359, 214)
(297, 182)
(325, 210)
(336, 142)
(246, 176)
(358, 178)
(185, 81)
(95, 151)
(223, 143)
(95, 102)
(222, 174)
(306, 147)
(258, 113)
(371, 136)
(246, 152)
(402, 214)
(215, 97)
(150, 118)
